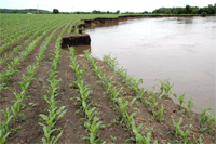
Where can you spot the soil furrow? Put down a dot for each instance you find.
(104, 106)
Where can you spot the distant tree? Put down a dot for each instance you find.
(78, 12)
(188, 9)
(96, 12)
(55, 11)
(210, 5)
(118, 11)
(204, 14)
(108, 12)
(145, 12)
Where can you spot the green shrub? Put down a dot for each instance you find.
(204, 14)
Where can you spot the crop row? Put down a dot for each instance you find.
(119, 102)
(11, 71)
(19, 35)
(24, 85)
(13, 24)
(54, 112)
(92, 122)
(5, 57)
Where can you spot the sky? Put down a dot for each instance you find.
(100, 5)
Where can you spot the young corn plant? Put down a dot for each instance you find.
(185, 134)
(167, 88)
(134, 87)
(94, 129)
(177, 125)
(212, 118)
(162, 85)
(3, 133)
(111, 62)
(7, 117)
(15, 109)
(147, 101)
(140, 139)
(83, 32)
(108, 89)
(190, 105)
(76, 31)
(129, 119)
(114, 94)
(90, 113)
(200, 139)
(203, 118)
(180, 99)
(141, 93)
(121, 71)
(157, 115)
(122, 108)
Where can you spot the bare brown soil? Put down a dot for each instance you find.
(72, 124)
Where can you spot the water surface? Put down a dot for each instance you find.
(182, 49)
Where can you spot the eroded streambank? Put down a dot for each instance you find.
(163, 132)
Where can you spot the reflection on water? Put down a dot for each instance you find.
(182, 49)
(184, 20)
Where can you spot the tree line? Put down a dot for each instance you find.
(210, 9)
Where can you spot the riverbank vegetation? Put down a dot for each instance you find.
(210, 9)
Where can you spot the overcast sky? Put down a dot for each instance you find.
(101, 5)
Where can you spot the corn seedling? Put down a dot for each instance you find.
(49, 121)
(3, 133)
(190, 105)
(121, 71)
(135, 85)
(141, 93)
(113, 138)
(83, 32)
(212, 118)
(162, 85)
(15, 109)
(181, 99)
(94, 128)
(140, 139)
(114, 93)
(111, 62)
(167, 88)
(185, 134)
(129, 119)
(90, 113)
(47, 133)
(161, 113)
(123, 110)
(177, 125)
(203, 118)
(108, 89)
(147, 101)
(200, 139)
(7, 117)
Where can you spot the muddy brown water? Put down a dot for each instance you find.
(182, 49)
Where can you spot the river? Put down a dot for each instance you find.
(183, 49)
